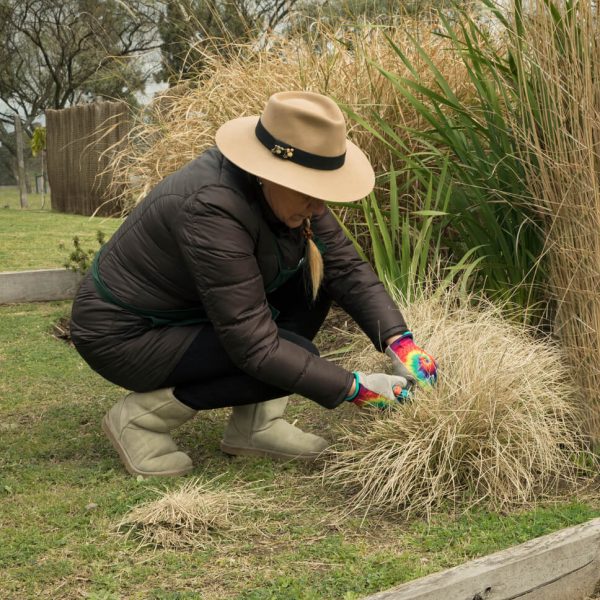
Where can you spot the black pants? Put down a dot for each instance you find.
(205, 377)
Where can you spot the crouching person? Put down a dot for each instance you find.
(210, 293)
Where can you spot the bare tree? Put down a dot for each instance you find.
(55, 53)
(192, 28)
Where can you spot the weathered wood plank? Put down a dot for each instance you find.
(38, 286)
(561, 566)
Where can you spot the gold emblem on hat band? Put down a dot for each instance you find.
(282, 152)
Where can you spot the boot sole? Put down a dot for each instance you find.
(125, 459)
(240, 451)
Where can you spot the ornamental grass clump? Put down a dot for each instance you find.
(182, 121)
(556, 51)
(190, 516)
(500, 430)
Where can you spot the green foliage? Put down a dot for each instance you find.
(491, 213)
(7, 167)
(38, 140)
(409, 249)
(80, 260)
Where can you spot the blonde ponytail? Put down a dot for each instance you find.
(315, 260)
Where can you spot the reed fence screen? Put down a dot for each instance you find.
(79, 142)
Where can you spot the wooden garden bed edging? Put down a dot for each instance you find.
(40, 285)
(560, 566)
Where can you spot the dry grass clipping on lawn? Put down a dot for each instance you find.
(501, 429)
(190, 516)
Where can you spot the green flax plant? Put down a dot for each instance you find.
(486, 196)
(407, 248)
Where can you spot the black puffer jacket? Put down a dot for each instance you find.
(203, 238)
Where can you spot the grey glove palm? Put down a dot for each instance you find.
(378, 389)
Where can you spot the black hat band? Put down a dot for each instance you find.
(300, 157)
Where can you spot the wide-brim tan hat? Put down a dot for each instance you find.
(299, 142)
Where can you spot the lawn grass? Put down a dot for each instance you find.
(55, 464)
(9, 198)
(31, 238)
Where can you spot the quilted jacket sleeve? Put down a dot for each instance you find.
(216, 236)
(353, 284)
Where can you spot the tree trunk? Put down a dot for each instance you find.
(21, 163)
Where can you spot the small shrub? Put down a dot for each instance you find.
(80, 260)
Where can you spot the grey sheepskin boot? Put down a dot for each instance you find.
(260, 430)
(138, 427)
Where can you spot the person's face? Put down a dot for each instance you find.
(291, 207)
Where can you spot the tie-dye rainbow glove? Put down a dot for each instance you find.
(378, 390)
(412, 362)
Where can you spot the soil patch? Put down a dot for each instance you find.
(61, 330)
